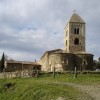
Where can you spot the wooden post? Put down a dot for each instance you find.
(75, 74)
(22, 72)
(11, 74)
(54, 72)
(81, 68)
(37, 73)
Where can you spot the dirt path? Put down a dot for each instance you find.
(92, 90)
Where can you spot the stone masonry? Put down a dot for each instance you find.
(74, 54)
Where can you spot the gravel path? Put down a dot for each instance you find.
(92, 90)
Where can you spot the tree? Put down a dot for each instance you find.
(99, 59)
(95, 64)
(2, 63)
(98, 65)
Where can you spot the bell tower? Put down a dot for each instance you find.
(74, 35)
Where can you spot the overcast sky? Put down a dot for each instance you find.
(30, 27)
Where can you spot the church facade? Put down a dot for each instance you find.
(74, 54)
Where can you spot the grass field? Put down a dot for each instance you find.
(44, 87)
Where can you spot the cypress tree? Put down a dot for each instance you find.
(2, 63)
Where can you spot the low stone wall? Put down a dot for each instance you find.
(18, 74)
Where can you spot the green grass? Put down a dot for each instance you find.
(81, 78)
(44, 88)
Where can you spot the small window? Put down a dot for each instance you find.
(84, 62)
(76, 41)
(66, 42)
(67, 61)
(66, 32)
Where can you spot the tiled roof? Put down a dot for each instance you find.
(76, 18)
(53, 51)
(21, 62)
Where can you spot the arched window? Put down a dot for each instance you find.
(76, 30)
(66, 42)
(76, 41)
(84, 62)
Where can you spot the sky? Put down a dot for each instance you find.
(28, 28)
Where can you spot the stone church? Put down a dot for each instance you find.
(74, 54)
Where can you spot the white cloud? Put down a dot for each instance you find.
(30, 27)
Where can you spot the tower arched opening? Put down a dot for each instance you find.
(76, 41)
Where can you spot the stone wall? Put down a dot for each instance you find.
(85, 61)
(67, 61)
(61, 62)
(17, 74)
(44, 62)
(55, 62)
